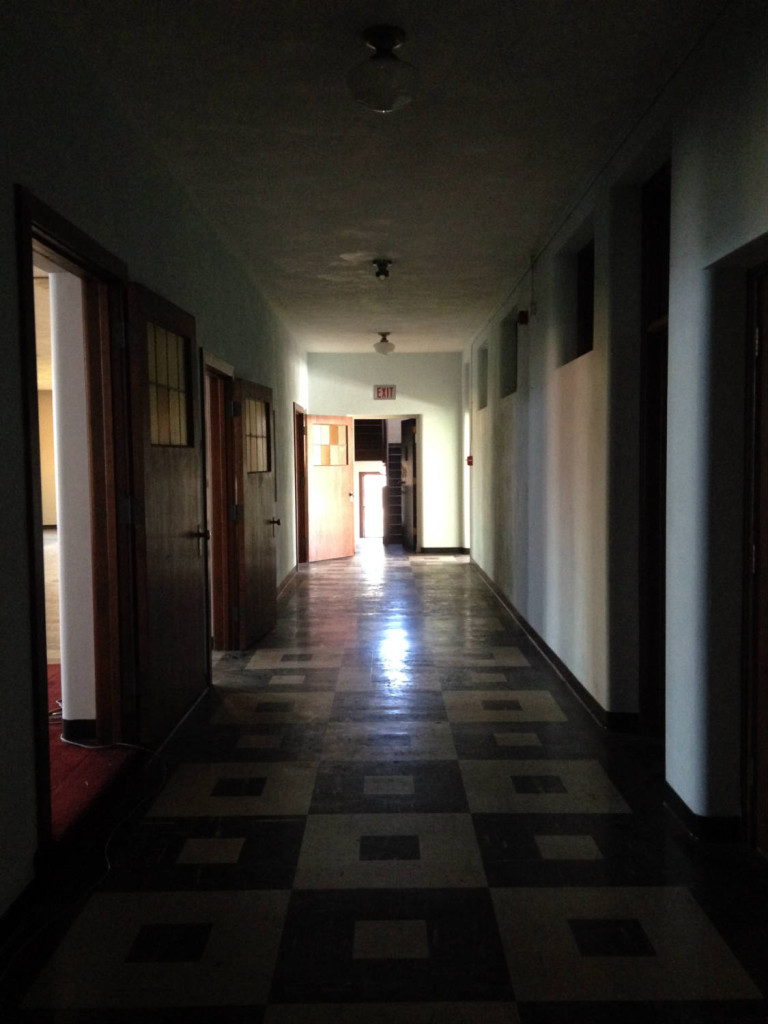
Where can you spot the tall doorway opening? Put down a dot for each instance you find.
(72, 303)
(653, 450)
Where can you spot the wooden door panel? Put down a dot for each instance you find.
(757, 734)
(171, 555)
(255, 520)
(408, 468)
(330, 486)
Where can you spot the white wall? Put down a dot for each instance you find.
(554, 487)
(428, 386)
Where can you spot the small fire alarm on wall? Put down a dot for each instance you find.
(470, 461)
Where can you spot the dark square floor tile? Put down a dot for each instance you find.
(483, 741)
(291, 658)
(251, 786)
(281, 706)
(513, 849)
(159, 1015)
(397, 847)
(388, 707)
(610, 937)
(538, 784)
(316, 962)
(389, 740)
(263, 741)
(372, 787)
(169, 943)
(167, 855)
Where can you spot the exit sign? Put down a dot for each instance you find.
(384, 391)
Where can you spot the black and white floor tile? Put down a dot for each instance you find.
(392, 811)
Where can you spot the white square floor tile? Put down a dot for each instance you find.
(286, 789)
(560, 847)
(577, 787)
(492, 657)
(89, 968)
(365, 741)
(690, 959)
(295, 657)
(502, 706)
(330, 854)
(516, 739)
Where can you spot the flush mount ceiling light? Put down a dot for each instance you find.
(383, 82)
(385, 346)
(382, 267)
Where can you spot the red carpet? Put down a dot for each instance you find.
(78, 774)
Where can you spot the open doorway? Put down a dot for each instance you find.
(70, 311)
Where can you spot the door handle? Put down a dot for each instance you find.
(273, 522)
(201, 535)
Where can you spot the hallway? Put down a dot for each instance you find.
(393, 801)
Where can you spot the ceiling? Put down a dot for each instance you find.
(520, 102)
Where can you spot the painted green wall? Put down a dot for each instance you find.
(65, 138)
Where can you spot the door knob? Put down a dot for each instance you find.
(274, 522)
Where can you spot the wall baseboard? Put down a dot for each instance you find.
(442, 551)
(79, 730)
(614, 721)
(713, 829)
(289, 580)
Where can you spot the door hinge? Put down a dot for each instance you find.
(235, 513)
(233, 409)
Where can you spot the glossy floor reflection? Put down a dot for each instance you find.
(392, 810)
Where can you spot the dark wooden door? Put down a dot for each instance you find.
(757, 716)
(300, 469)
(330, 487)
(169, 513)
(408, 467)
(255, 606)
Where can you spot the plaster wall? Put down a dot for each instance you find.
(428, 386)
(560, 536)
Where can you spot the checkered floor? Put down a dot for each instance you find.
(392, 810)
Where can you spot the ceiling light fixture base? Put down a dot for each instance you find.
(384, 82)
(384, 346)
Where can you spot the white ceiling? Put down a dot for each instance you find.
(519, 104)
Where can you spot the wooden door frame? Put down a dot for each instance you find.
(755, 788)
(219, 476)
(41, 231)
(653, 341)
(361, 488)
(300, 481)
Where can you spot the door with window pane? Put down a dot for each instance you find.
(168, 514)
(330, 487)
(256, 524)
